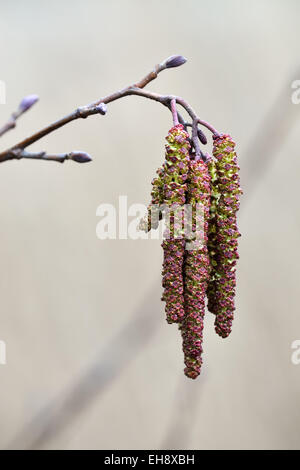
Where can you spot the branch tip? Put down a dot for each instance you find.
(27, 102)
(80, 157)
(174, 61)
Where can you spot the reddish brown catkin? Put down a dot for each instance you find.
(175, 176)
(196, 269)
(212, 234)
(224, 234)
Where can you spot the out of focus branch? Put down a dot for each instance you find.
(24, 106)
(108, 364)
(270, 135)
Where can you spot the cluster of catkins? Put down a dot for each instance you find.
(196, 268)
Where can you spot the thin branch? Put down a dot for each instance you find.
(174, 112)
(182, 121)
(18, 154)
(201, 135)
(82, 112)
(10, 124)
(195, 139)
(99, 106)
(24, 106)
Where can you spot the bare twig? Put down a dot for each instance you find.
(174, 112)
(79, 157)
(98, 106)
(25, 104)
(10, 124)
(195, 139)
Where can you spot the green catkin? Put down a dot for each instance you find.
(209, 269)
(223, 233)
(175, 176)
(151, 220)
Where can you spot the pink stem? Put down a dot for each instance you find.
(208, 126)
(174, 112)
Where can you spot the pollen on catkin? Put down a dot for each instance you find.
(154, 214)
(174, 189)
(196, 268)
(199, 246)
(223, 233)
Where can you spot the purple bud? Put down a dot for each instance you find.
(102, 108)
(27, 102)
(202, 137)
(80, 157)
(175, 61)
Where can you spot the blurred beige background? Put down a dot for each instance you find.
(91, 362)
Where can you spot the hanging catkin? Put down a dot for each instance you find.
(223, 233)
(175, 176)
(196, 268)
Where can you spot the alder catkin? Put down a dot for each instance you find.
(196, 269)
(223, 233)
(175, 176)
